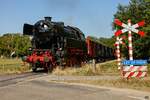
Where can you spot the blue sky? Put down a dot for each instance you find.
(93, 17)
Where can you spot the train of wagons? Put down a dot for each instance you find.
(54, 44)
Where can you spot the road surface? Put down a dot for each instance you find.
(40, 88)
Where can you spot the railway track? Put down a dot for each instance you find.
(6, 80)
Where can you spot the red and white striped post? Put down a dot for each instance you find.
(117, 44)
(118, 54)
(130, 41)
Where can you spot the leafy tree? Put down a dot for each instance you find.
(137, 10)
(105, 41)
(14, 43)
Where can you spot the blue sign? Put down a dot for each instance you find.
(134, 62)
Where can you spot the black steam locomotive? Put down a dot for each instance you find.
(65, 44)
(53, 44)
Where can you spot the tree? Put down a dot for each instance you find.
(14, 43)
(137, 10)
(105, 41)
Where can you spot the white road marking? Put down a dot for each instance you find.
(138, 98)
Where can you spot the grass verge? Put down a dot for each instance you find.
(107, 68)
(137, 84)
(9, 66)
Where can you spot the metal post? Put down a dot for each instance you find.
(130, 42)
(118, 53)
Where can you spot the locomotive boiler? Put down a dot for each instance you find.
(53, 44)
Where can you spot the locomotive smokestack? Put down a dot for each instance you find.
(48, 18)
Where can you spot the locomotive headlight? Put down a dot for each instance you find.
(45, 26)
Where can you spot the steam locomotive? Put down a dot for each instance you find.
(54, 44)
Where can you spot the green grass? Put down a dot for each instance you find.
(107, 68)
(8, 66)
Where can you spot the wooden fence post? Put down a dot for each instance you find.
(94, 65)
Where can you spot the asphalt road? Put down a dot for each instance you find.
(42, 89)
